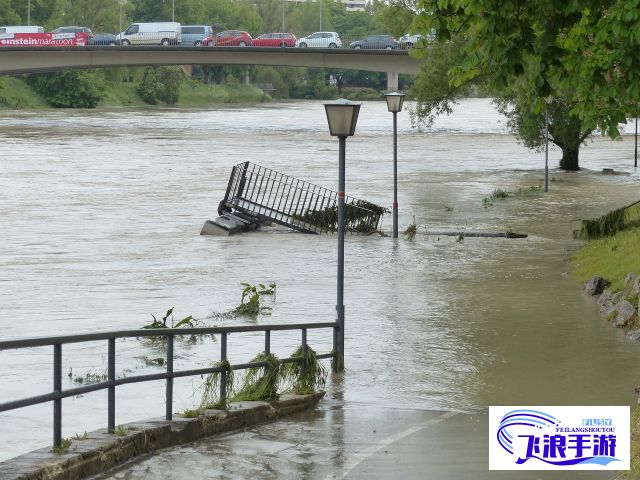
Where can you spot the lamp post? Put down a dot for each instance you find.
(635, 153)
(342, 116)
(546, 144)
(283, 3)
(394, 104)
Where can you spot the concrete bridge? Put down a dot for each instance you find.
(19, 60)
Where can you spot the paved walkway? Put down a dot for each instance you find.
(342, 441)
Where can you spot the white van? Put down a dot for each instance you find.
(156, 33)
(22, 29)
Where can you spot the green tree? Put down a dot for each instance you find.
(99, 15)
(566, 130)
(70, 88)
(149, 86)
(43, 12)
(394, 18)
(585, 47)
(436, 95)
(8, 14)
(161, 84)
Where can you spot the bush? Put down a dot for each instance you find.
(161, 84)
(70, 88)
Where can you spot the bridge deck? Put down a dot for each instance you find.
(17, 60)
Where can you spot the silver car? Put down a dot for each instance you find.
(320, 40)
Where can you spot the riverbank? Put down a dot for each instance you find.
(16, 94)
(613, 258)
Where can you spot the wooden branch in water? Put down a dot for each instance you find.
(479, 234)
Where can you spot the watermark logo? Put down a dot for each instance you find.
(559, 438)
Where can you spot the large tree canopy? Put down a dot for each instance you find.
(586, 47)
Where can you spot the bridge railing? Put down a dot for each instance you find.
(295, 203)
(111, 382)
(173, 39)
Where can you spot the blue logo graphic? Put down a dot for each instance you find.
(549, 442)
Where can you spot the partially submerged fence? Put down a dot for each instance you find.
(294, 203)
(112, 382)
(610, 223)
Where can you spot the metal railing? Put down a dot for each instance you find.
(288, 201)
(112, 382)
(176, 39)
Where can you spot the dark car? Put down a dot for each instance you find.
(378, 42)
(229, 38)
(275, 40)
(104, 39)
(75, 29)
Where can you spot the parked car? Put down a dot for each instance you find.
(408, 41)
(320, 40)
(229, 38)
(155, 33)
(275, 40)
(195, 34)
(75, 29)
(378, 42)
(104, 39)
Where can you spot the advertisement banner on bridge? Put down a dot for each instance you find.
(43, 39)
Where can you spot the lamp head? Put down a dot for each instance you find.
(395, 101)
(342, 116)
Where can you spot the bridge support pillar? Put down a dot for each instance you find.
(392, 81)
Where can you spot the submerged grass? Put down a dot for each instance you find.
(500, 194)
(610, 257)
(261, 383)
(211, 388)
(307, 376)
(611, 223)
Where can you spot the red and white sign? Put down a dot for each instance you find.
(43, 39)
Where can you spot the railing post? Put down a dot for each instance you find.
(267, 342)
(304, 339)
(336, 356)
(111, 395)
(57, 388)
(223, 374)
(169, 394)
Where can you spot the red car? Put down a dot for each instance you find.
(275, 40)
(229, 38)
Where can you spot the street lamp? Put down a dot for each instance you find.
(546, 144)
(635, 153)
(394, 104)
(342, 116)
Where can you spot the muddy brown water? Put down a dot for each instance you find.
(100, 213)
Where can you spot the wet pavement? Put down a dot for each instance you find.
(341, 440)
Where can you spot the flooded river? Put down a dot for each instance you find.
(101, 211)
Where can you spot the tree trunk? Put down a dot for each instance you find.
(569, 160)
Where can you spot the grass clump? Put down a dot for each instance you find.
(250, 300)
(123, 430)
(211, 388)
(260, 383)
(611, 223)
(411, 231)
(88, 378)
(306, 376)
(500, 194)
(64, 446)
(610, 257)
